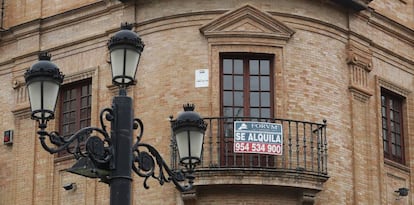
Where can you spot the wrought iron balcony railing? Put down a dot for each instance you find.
(305, 148)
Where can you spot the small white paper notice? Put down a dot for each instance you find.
(201, 78)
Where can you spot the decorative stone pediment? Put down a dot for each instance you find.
(247, 21)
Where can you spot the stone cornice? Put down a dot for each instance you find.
(387, 25)
(56, 21)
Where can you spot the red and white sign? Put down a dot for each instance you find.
(258, 137)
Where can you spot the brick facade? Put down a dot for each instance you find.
(331, 62)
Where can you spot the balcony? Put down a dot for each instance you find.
(302, 165)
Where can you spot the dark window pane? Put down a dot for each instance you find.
(238, 112)
(265, 113)
(398, 151)
(72, 105)
(84, 90)
(254, 83)
(264, 67)
(228, 112)
(238, 98)
(384, 123)
(65, 107)
(397, 139)
(264, 83)
(227, 98)
(83, 123)
(228, 130)
(84, 113)
(238, 83)
(227, 82)
(227, 66)
(238, 66)
(255, 112)
(397, 116)
(265, 99)
(393, 150)
(84, 102)
(254, 99)
(254, 67)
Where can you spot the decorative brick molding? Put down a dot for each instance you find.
(393, 87)
(247, 21)
(359, 61)
(84, 74)
(20, 91)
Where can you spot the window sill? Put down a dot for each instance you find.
(397, 165)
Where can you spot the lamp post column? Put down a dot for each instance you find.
(121, 165)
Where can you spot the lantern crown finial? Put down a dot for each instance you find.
(44, 55)
(188, 107)
(189, 118)
(126, 26)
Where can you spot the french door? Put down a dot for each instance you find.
(246, 94)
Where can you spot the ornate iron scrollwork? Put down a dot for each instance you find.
(148, 163)
(96, 148)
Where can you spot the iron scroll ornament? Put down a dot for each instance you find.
(99, 152)
(146, 160)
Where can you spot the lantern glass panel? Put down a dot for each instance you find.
(124, 63)
(189, 144)
(35, 97)
(50, 91)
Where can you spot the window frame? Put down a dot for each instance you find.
(246, 57)
(78, 85)
(387, 141)
(228, 157)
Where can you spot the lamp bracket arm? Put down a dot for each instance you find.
(85, 134)
(145, 164)
(62, 143)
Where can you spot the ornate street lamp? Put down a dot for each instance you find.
(106, 154)
(43, 81)
(125, 49)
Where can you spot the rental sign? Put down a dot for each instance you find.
(258, 137)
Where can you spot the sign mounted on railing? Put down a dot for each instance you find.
(258, 137)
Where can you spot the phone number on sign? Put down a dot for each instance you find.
(262, 148)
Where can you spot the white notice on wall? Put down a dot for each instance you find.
(201, 78)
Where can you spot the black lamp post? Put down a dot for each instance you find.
(110, 156)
